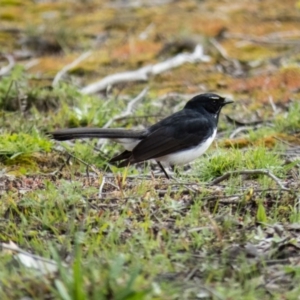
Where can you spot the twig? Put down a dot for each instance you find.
(239, 130)
(70, 66)
(283, 34)
(221, 50)
(126, 113)
(144, 73)
(31, 63)
(250, 123)
(137, 3)
(80, 160)
(249, 172)
(224, 54)
(144, 34)
(275, 110)
(192, 272)
(183, 184)
(88, 174)
(282, 141)
(14, 247)
(209, 291)
(11, 63)
(101, 187)
(64, 164)
(271, 40)
(129, 108)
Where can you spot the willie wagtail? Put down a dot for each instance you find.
(175, 140)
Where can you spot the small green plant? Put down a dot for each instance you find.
(110, 281)
(261, 215)
(16, 144)
(223, 161)
(291, 120)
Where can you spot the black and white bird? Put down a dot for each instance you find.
(176, 140)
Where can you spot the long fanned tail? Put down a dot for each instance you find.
(109, 133)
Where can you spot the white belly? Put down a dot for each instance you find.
(186, 156)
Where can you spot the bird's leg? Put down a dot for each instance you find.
(163, 169)
(174, 178)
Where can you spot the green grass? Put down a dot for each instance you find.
(144, 237)
(221, 161)
(289, 121)
(137, 236)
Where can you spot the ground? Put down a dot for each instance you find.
(74, 227)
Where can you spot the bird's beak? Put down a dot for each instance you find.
(227, 101)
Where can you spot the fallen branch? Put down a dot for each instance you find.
(101, 187)
(236, 64)
(70, 66)
(249, 172)
(44, 265)
(87, 165)
(126, 113)
(144, 73)
(239, 130)
(129, 108)
(268, 39)
(130, 4)
(14, 248)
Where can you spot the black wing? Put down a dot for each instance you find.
(181, 131)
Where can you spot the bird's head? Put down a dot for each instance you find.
(212, 103)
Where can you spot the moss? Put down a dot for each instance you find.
(14, 2)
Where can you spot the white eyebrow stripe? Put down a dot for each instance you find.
(213, 97)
